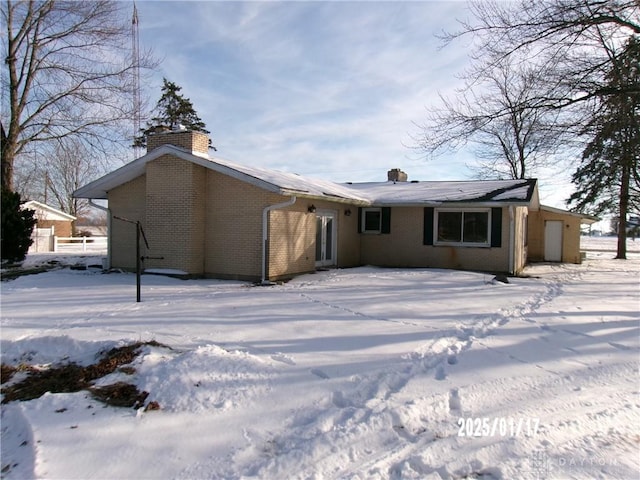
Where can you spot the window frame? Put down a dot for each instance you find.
(363, 224)
(461, 243)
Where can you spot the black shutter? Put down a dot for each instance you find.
(496, 227)
(385, 226)
(359, 219)
(428, 226)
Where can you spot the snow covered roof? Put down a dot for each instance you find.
(290, 183)
(275, 181)
(371, 193)
(440, 192)
(46, 212)
(584, 218)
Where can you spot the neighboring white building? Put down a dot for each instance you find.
(50, 222)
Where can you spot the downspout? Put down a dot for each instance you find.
(512, 233)
(105, 209)
(265, 232)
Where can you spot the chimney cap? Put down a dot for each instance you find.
(396, 175)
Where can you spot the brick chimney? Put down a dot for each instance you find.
(396, 175)
(193, 142)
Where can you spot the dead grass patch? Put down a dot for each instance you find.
(7, 372)
(73, 378)
(120, 394)
(18, 271)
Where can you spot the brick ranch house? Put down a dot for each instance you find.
(213, 218)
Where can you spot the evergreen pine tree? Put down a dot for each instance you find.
(172, 111)
(16, 228)
(608, 179)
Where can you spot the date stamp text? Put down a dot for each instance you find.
(498, 427)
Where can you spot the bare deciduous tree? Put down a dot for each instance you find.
(68, 73)
(576, 43)
(52, 175)
(581, 37)
(498, 115)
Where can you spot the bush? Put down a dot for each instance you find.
(83, 233)
(15, 229)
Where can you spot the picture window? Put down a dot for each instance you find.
(464, 227)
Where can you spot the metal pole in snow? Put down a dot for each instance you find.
(138, 262)
(139, 258)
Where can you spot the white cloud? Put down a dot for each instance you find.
(330, 89)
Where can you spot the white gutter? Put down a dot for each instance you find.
(105, 209)
(512, 232)
(265, 232)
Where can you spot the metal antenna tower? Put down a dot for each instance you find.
(135, 54)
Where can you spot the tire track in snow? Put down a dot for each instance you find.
(346, 427)
(571, 429)
(354, 312)
(444, 351)
(554, 288)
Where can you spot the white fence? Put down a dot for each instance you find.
(79, 244)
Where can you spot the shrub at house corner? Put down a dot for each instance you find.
(16, 228)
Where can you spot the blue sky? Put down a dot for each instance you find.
(329, 89)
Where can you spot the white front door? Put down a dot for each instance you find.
(553, 240)
(325, 239)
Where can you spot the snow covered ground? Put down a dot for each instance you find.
(358, 374)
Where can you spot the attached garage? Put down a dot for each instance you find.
(554, 235)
